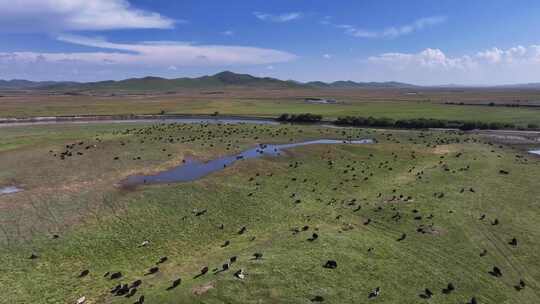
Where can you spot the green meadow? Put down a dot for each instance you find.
(263, 106)
(416, 210)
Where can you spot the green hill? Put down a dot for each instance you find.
(223, 79)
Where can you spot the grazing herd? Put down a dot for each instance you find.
(354, 174)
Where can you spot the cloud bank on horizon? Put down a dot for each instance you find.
(302, 42)
(505, 66)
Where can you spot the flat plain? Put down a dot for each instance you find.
(389, 103)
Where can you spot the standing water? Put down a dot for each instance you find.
(9, 190)
(193, 170)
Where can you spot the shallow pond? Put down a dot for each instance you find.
(537, 152)
(9, 190)
(193, 170)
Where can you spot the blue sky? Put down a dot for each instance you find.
(418, 41)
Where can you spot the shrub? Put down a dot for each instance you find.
(305, 118)
(420, 123)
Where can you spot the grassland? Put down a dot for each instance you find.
(100, 226)
(390, 103)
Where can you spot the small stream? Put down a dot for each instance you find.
(192, 170)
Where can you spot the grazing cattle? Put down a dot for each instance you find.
(140, 300)
(483, 253)
(513, 242)
(227, 242)
(123, 290)
(233, 259)
(374, 293)
(330, 264)
(495, 222)
(116, 275)
(135, 284)
(402, 237)
(33, 256)
(162, 260)
(520, 285)
(313, 237)
(318, 299)
(144, 243)
(257, 256)
(116, 288)
(204, 270)
(242, 230)
(175, 284)
(240, 274)
(200, 212)
(504, 172)
(152, 270)
(496, 272)
(81, 300)
(473, 301)
(427, 294)
(449, 288)
(84, 273)
(225, 267)
(131, 292)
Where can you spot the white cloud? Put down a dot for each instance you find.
(76, 15)
(428, 58)
(286, 17)
(228, 33)
(326, 20)
(433, 66)
(327, 56)
(389, 32)
(518, 53)
(163, 54)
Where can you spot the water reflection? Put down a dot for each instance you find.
(193, 170)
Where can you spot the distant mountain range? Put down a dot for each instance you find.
(26, 84)
(220, 80)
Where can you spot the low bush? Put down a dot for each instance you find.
(424, 123)
(304, 118)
